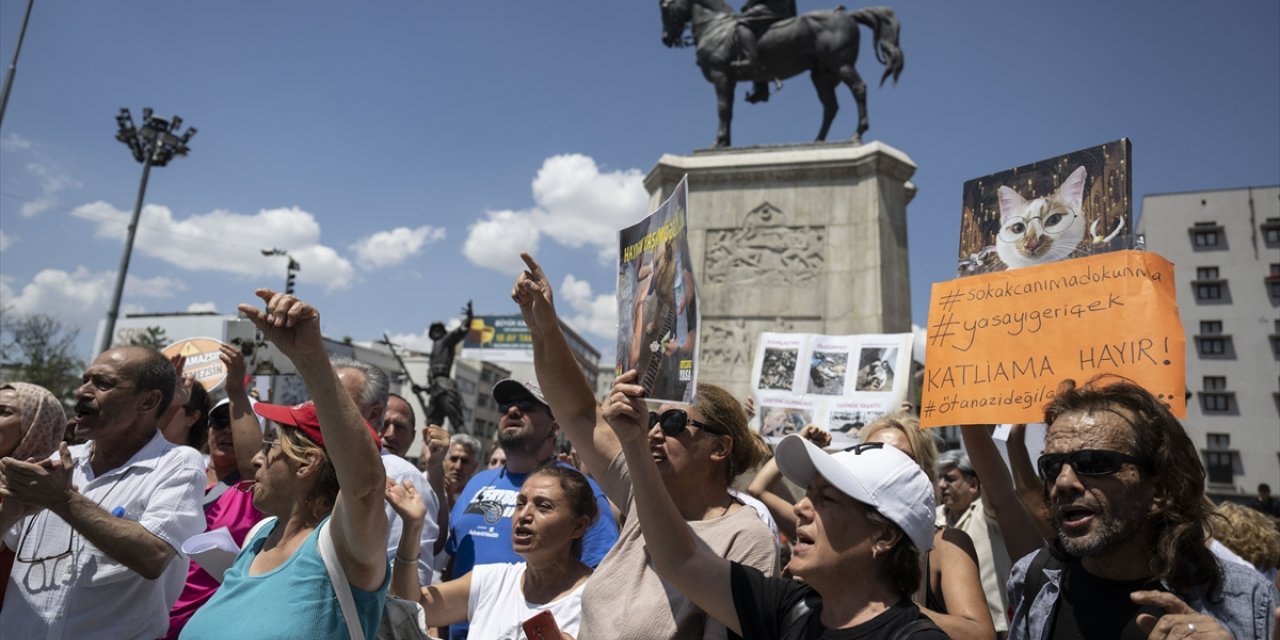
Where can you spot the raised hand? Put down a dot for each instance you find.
(533, 293)
(813, 433)
(181, 383)
(436, 443)
(233, 360)
(625, 410)
(406, 501)
(292, 325)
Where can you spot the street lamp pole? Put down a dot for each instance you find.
(290, 271)
(154, 144)
(13, 66)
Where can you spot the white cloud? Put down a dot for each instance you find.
(81, 296)
(228, 242)
(595, 314)
(14, 142)
(196, 307)
(496, 242)
(575, 204)
(389, 248)
(53, 181)
(6, 240)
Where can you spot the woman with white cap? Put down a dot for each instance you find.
(866, 515)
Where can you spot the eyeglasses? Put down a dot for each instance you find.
(26, 535)
(857, 449)
(1086, 462)
(674, 422)
(1057, 222)
(268, 444)
(525, 406)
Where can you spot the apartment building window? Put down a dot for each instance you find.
(1206, 273)
(1273, 281)
(1275, 339)
(1210, 327)
(1218, 458)
(1214, 397)
(1208, 284)
(1271, 232)
(1206, 235)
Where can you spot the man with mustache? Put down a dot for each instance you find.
(95, 528)
(1126, 496)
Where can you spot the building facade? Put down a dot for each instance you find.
(1225, 246)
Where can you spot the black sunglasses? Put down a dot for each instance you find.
(525, 405)
(674, 421)
(1086, 462)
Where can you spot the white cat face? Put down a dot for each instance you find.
(1044, 229)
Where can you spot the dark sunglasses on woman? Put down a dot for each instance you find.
(1086, 462)
(674, 422)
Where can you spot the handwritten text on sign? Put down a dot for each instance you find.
(999, 344)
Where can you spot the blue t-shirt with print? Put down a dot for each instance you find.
(480, 526)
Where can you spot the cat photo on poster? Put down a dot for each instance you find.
(1070, 206)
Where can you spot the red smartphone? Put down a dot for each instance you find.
(542, 627)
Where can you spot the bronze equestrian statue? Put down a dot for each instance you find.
(732, 48)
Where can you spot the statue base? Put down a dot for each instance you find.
(808, 238)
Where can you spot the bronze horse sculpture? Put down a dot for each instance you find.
(824, 43)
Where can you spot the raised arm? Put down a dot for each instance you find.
(246, 435)
(700, 574)
(1021, 536)
(761, 488)
(359, 523)
(435, 445)
(409, 505)
(1027, 482)
(567, 391)
(967, 616)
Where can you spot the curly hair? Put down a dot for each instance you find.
(1249, 533)
(924, 445)
(1167, 458)
(718, 406)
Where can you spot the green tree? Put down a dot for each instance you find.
(153, 337)
(39, 349)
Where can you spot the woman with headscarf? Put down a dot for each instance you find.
(32, 421)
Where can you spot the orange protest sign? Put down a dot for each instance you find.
(999, 344)
(202, 360)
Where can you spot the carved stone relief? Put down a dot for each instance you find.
(731, 342)
(765, 251)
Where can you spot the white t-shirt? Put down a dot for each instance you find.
(398, 469)
(85, 593)
(497, 608)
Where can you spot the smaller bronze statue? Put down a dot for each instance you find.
(769, 42)
(445, 401)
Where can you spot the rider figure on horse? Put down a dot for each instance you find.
(755, 19)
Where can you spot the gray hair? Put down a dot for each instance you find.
(377, 386)
(469, 442)
(955, 459)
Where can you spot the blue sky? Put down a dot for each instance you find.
(404, 151)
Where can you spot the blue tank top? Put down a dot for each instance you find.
(294, 600)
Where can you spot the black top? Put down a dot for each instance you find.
(778, 609)
(1092, 607)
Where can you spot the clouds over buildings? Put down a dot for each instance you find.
(79, 297)
(575, 205)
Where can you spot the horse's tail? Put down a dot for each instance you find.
(884, 24)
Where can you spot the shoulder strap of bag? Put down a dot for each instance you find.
(1035, 572)
(341, 587)
(211, 496)
(911, 628)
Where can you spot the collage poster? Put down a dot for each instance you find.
(658, 317)
(840, 383)
(1070, 206)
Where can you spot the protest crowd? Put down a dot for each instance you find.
(674, 520)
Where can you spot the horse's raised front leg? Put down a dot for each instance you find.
(850, 77)
(724, 106)
(825, 83)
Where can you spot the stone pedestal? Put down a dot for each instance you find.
(805, 238)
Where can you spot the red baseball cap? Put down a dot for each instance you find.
(303, 417)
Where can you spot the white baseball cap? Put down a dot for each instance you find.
(883, 478)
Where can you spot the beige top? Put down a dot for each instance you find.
(625, 599)
(993, 559)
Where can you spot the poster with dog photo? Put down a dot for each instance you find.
(1069, 206)
(840, 383)
(658, 302)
